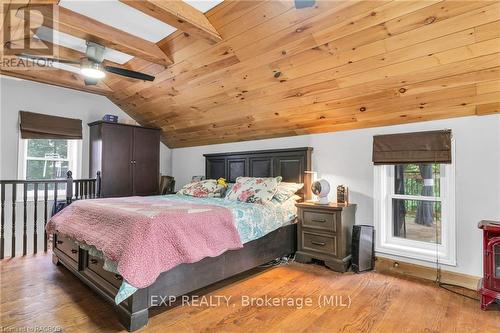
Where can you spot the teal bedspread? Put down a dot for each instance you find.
(252, 221)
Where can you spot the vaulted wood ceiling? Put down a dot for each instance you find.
(263, 69)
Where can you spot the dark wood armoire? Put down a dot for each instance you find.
(128, 157)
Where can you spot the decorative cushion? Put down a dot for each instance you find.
(255, 190)
(203, 189)
(287, 190)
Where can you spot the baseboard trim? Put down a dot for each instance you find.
(391, 266)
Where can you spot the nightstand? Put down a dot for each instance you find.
(324, 233)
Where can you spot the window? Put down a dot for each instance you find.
(47, 159)
(415, 211)
(416, 202)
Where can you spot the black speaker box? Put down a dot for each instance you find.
(363, 248)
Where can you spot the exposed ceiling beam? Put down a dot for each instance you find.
(180, 15)
(37, 48)
(60, 52)
(58, 77)
(91, 30)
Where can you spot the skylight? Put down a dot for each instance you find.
(121, 16)
(203, 5)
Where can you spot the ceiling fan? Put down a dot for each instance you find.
(91, 67)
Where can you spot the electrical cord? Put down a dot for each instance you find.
(286, 260)
(446, 286)
(443, 285)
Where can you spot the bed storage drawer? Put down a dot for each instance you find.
(96, 264)
(67, 246)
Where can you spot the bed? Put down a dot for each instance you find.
(259, 247)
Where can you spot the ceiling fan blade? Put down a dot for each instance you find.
(46, 59)
(129, 73)
(90, 81)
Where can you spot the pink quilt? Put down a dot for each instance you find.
(147, 236)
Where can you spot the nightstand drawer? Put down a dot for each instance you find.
(318, 220)
(319, 243)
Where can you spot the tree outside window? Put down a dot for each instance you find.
(416, 202)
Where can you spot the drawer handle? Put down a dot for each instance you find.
(118, 277)
(94, 261)
(318, 243)
(59, 242)
(74, 251)
(319, 221)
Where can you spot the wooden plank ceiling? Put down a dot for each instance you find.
(263, 69)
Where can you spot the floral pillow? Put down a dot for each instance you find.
(203, 189)
(286, 191)
(255, 190)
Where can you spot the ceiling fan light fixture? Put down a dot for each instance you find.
(92, 69)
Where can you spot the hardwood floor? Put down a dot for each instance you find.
(36, 293)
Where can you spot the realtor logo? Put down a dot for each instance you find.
(21, 28)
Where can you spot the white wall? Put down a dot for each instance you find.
(345, 158)
(31, 96)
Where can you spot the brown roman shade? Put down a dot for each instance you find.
(42, 126)
(418, 147)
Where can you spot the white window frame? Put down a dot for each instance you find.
(74, 162)
(387, 243)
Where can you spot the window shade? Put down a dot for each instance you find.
(42, 126)
(418, 147)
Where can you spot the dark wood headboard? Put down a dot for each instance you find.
(288, 163)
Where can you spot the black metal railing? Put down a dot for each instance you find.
(75, 189)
